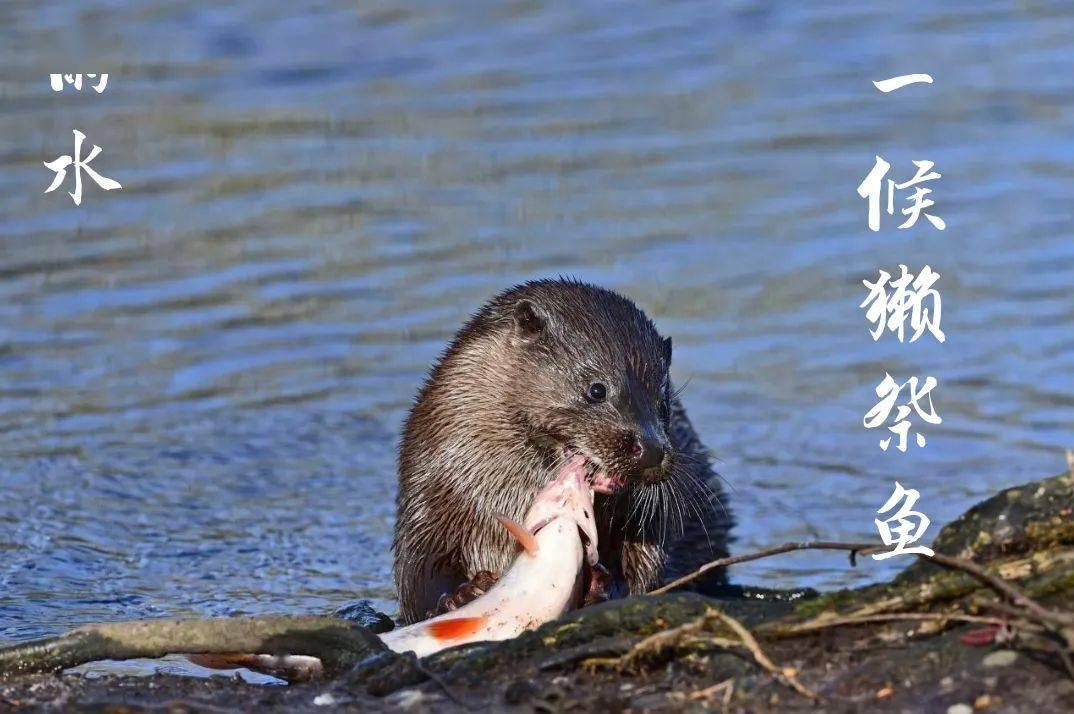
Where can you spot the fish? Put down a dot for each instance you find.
(558, 538)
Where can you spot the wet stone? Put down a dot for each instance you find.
(1000, 658)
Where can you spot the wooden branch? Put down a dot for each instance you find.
(822, 623)
(788, 547)
(339, 644)
(699, 631)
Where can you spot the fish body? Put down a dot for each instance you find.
(558, 537)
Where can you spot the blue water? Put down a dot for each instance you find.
(202, 376)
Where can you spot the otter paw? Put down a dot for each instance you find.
(467, 592)
(600, 588)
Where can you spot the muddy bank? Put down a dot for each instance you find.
(933, 638)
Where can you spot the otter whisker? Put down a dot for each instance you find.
(692, 493)
(680, 507)
(703, 492)
(660, 512)
(705, 460)
(679, 390)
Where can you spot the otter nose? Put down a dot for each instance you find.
(649, 453)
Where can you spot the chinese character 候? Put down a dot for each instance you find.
(871, 189)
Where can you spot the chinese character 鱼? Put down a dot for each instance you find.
(64, 162)
(889, 390)
(910, 297)
(904, 526)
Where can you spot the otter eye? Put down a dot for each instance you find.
(596, 392)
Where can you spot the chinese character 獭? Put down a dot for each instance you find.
(903, 527)
(56, 81)
(890, 310)
(888, 390)
(871, 188)
(61, 165)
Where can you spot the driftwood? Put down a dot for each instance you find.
(339, 644)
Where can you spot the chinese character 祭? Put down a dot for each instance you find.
(904, 526)
(889, 390)
(871, 188)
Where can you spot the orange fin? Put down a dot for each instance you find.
(519, 532)
(455, 628)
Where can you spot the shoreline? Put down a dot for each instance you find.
(924, 640)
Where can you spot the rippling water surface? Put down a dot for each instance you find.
(202, 376)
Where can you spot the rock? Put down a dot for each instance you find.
(325, 700)
(520, 691)
(999, 658)
(411, 698)
(363, 613)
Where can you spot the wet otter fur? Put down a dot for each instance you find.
(543, 370)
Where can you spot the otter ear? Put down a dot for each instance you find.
(667, 351)
(529, 322)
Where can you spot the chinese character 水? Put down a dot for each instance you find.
(889, 390)
(61, 165)
(910, 297)
(904, 526)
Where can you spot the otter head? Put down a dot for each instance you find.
(589, 376)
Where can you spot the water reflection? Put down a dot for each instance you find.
(202, 376)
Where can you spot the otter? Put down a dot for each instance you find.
(544, 371)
